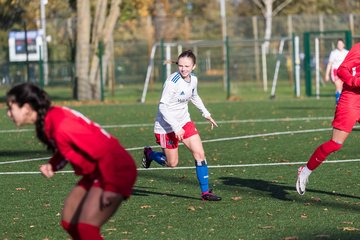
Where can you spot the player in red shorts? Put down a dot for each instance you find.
(346, 115)
(173, 123)
(108, 171)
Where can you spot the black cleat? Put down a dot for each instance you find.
(146, 161)
(210, 196)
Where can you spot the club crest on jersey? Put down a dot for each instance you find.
(182, 93)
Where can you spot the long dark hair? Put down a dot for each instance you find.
(39, 101)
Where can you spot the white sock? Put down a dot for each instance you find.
(305, 171)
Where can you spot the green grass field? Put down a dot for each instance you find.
(253, 158)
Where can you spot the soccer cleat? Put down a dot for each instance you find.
(146, 161)
(302, 180)
(210, 196)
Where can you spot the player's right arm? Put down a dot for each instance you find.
(345, 71)
(57, 162)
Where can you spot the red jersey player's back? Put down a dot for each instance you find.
(108, 171)
(65, 126)
(349, 70)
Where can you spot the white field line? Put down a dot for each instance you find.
(199, 123)
(204, 141)
(215, 166)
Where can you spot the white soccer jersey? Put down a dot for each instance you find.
(173, 111)
(337, 57)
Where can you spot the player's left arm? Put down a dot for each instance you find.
(197, 101)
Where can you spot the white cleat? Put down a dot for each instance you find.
(302, 180)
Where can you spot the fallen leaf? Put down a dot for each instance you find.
(110, 229)
(236, 198)
(323, 236)
(290, 238)
(191, 208)
(350, 229)
(266, 227)
(145, 206)
(316, 199)
(20, 189)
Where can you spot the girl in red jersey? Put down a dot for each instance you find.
(346, 115)
(108, 171)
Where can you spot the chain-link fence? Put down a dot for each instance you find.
(131, 51)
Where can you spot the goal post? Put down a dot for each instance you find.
(309, 46)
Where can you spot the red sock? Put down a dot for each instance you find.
(321, 153)
(71, 229)
(89, 232)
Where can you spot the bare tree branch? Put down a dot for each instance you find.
(262, 9)
(280, 7)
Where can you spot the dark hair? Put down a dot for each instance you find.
(189, 54)
(39, 101)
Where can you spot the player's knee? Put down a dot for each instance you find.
(199, 155)
(332, 146)
(171, 164)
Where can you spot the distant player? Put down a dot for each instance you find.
(108, 171)
(346, 115)
(336, 57)
(173, 123)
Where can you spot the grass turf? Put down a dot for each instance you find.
(259, 202)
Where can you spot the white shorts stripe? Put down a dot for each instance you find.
(163, 140)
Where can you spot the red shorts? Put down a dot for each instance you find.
(120, 171)
(334, 75)
(169, 140)
(347, 111)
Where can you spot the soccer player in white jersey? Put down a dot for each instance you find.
(173, 123)
(336, 57)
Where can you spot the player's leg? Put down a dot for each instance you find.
(172, 157)
(150, 155)
(71, 210)
(194, 144)
(338, 89)
(93, 214)
(346, 115)
(166, 141)
(318, 157)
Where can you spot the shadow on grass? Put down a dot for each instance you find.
(143, 192)
(277, 191)
(22, 153)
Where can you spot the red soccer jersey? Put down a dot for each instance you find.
(89, 149)
(345, 70)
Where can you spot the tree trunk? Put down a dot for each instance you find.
(83, 49)
(99, 24)
(268, 22)
(107, 33)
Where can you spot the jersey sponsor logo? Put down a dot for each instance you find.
(183, 100)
